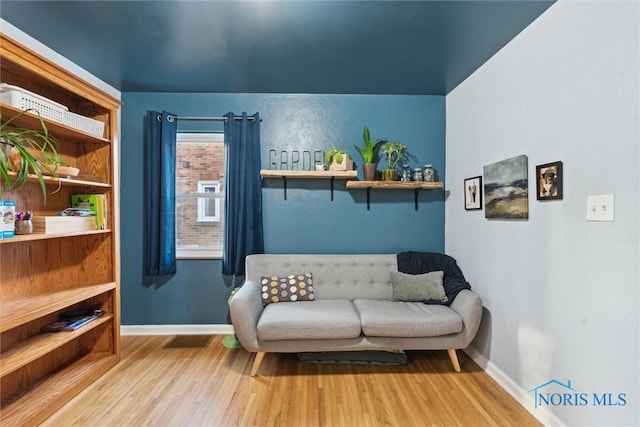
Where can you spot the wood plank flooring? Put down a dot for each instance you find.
(161, 383)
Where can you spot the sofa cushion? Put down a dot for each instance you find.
(334, 276)
(308, 320)
(418, 287)
(406, 319)
(293, 287)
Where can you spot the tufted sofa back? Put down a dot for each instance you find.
(334, 276)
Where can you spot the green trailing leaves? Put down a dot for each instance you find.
(24, 151)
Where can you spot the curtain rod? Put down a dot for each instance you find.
(219, 119)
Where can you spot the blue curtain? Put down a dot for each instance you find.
(160, 193)
(243, 192)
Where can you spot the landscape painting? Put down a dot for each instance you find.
(506, 189)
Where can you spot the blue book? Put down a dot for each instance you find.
(71, 324)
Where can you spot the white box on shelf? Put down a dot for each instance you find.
(25, 100)
(63, 224)
(86, 124)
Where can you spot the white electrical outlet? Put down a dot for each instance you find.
(600, 207)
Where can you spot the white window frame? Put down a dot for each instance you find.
(202, 206)
(202, 252)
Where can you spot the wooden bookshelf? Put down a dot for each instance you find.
(43, 275)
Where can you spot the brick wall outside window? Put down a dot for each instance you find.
(198, 161)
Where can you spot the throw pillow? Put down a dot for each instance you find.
(418, 287)
(294, 287)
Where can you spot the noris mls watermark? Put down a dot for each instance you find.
(556, 393)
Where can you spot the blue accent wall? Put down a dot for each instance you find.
(308, 221)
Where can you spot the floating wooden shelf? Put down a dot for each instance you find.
(296, 174)
(395, 185)
(275, 173)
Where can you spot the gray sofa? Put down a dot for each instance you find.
(352, 309)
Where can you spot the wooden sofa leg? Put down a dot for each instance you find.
(256, 363)
(454, 359)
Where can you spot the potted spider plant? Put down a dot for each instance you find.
(26, 151)
(394, 151)
(369, 154)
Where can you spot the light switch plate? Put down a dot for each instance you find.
(600, 207)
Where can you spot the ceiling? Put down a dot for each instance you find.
(277, 46)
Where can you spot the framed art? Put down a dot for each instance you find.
(473, 193)
(506, 189)
(549, 181)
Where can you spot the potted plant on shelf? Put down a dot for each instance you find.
(394, 151)
(369, 154)
(55, 166)
(338, 160)
(25, 150)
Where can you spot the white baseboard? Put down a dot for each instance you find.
(176, 329)
(518, 393)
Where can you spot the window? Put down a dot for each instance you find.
(208, 209)
(199, 195)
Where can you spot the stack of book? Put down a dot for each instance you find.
(72, 320)
(93, 202)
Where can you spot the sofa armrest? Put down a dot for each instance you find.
(245, 309)
(469, 306)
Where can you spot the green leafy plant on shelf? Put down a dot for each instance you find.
(369, 154)
(334, 154)
(26, 151)
(394, 151)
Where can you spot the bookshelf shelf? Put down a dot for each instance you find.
(66, 182)
(60, 130)
(42, 236)
(37, 402)
(30, 308)
(39, 345)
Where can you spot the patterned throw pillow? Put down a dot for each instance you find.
(294, 287)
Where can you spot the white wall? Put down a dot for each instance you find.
(560, 293)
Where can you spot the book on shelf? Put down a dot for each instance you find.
(70, 321)
(94, 202)
(7, 218)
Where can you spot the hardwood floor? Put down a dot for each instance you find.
(160, 382)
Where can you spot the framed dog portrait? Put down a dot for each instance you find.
(473, 193)
(549, 181)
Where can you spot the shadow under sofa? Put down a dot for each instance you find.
(352, 307)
